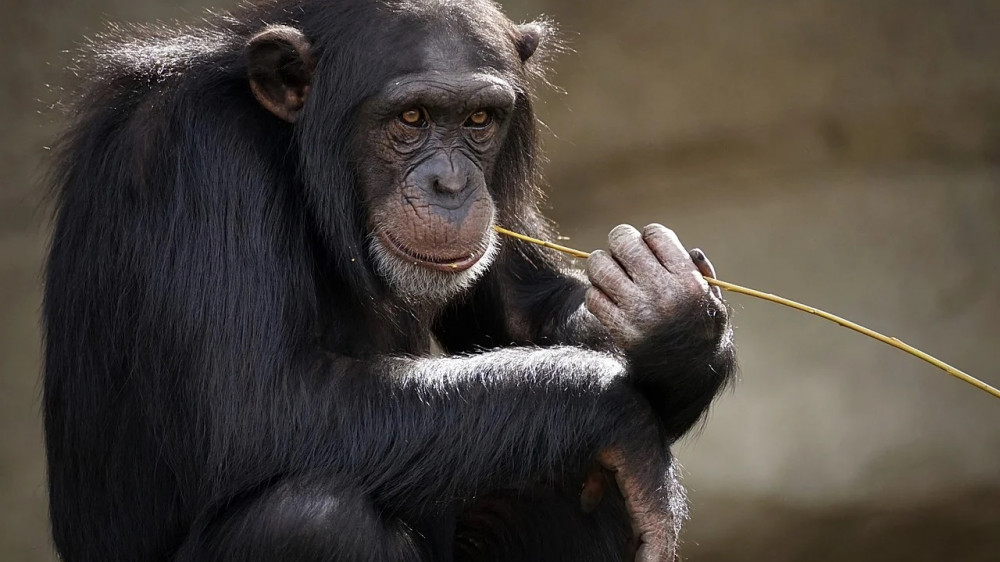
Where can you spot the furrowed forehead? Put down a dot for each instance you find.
(456, 89)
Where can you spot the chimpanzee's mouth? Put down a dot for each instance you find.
(448, 264)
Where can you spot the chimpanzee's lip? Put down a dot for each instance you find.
(447, 265)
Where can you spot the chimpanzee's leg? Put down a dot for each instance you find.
(301, 520)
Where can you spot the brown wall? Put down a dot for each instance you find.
(845, 153)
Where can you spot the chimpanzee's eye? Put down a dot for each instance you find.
(480, 118)
(413, 117)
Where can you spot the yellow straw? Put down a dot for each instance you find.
(798, 306)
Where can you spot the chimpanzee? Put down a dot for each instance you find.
(263, 223)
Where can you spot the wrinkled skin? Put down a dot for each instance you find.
(426, 181)
(643, 280)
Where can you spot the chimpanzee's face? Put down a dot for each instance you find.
(430, 141)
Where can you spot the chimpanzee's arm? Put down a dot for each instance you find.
(415, 432)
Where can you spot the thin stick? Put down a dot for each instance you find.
(564, 249)
(894, 342)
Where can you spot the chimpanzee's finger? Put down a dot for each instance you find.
(705, 267)
(604, 309)
(634, 255)
(667, 248)
(701, 261)
(607, 275)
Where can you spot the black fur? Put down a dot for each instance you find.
(226, 377)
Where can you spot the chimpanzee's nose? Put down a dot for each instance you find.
(450, 182)
(443, 176)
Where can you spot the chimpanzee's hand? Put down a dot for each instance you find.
(647, 280)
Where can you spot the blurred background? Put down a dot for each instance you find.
(845, 153)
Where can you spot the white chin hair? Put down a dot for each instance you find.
(422, 285)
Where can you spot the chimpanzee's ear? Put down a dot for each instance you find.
(529, 36)
(280, 66)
